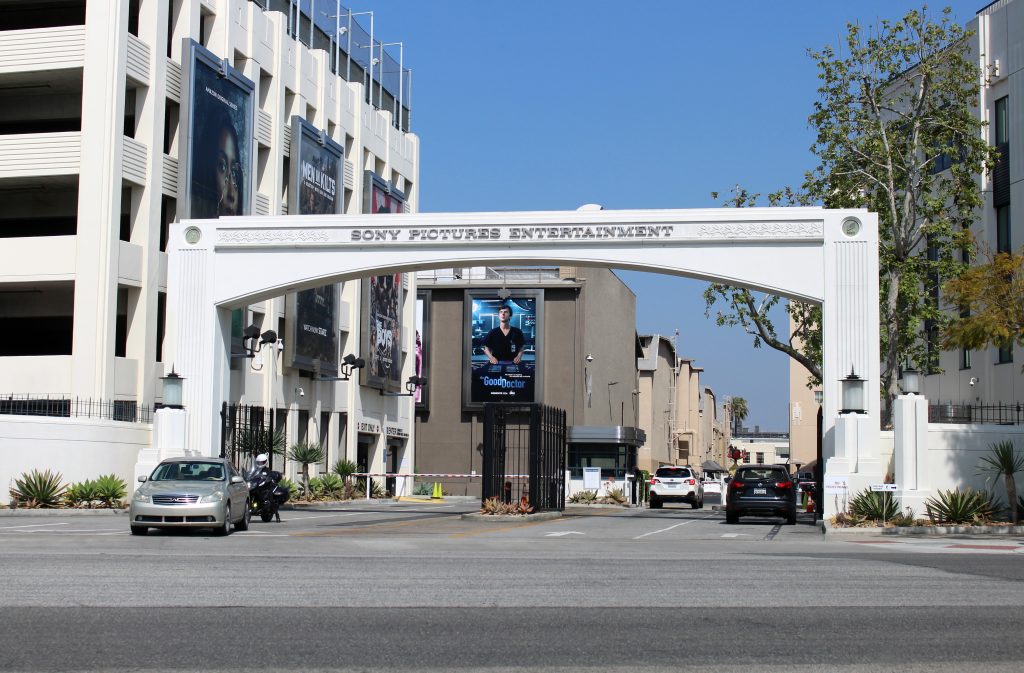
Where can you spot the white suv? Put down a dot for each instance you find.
(674, 483)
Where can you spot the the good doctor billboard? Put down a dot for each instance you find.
(503, 347)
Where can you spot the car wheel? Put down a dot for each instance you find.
(225, 528)
(791, 518)
(139, 530)
(732, 517)
(243, 523)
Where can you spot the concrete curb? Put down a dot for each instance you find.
(919, 531)
(24, 511)
(509, 518)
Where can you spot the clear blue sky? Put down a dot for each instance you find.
(645, 104)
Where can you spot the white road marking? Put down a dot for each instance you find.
(35, 525)
(562, 533)
(324, 516)
(665, 530)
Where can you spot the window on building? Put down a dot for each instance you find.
(1003, 242)
(965, 358)
(759, 455)
(133, 16)
(1005, 355)
(161, 324)
(1000, 129)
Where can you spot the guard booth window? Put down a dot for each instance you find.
(611, 458)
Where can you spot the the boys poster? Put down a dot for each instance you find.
(382, 301)
(503, 348)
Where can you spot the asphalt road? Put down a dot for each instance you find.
(411, 586)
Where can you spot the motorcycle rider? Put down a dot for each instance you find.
(261, 467)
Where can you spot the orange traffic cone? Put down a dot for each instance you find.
(810, 504)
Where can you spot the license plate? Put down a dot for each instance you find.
(760, 491)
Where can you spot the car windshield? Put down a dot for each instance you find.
(672, 472)
(762, 475)
(188, 471)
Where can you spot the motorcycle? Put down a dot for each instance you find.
(266, 493)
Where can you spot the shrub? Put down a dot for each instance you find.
(327, 487)
(423, 488)
(1004, 461)
(960, 507)
(376, 490)
(306, 453)
(496, 507)
(111, 490)
(344, 468)
(38, 489)
(905, 519)
(293, 490)
(615, 497)
(876, 505)
(81, 494)
(583, 497)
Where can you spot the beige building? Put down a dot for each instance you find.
(586, 363)
(657, 402)
(95, 122)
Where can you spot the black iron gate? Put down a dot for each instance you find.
(524, 455)
(245, 432)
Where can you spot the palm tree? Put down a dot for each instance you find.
(1004, 462)
(739, 413)
(307, 453)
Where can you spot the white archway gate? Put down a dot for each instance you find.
(829, 257)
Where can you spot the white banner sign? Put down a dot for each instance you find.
(886, 488)
(592, 477)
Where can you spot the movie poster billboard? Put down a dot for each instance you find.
(382, 301)
(502, 342)
(217, 154)
(422, 323)
(315, 188)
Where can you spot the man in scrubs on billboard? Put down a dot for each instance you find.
(504, 344)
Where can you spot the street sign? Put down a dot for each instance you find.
(886, 488)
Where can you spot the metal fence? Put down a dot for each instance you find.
(994, 414)
(524, 455)
(60, 406)
(247, 431)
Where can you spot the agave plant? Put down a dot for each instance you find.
(583, 497)
(81, 494)
(1004, 461)
(38, 489)
(327, 487)
(876, 505)
(111, 490)
(615, 496)
(306, 453)
(960, 507)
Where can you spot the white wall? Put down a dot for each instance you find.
(955, 452)
(77, 448)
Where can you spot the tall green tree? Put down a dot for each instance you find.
(738, 410)
(895, 133)
(990, 299)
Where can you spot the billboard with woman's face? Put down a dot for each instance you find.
(316, 164)
(382, 301)
(217, 154)
(503, 344)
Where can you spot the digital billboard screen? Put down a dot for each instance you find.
(503, 347)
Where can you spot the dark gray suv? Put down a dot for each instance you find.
(761, 490)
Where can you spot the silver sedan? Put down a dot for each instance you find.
(191, 492)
